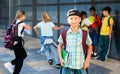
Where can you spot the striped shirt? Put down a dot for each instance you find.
(74, 47)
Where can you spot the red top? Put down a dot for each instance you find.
(97, 23)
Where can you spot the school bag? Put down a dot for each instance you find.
(84, 38)
(12, 35)
(113, 29)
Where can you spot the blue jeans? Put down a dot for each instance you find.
(51, 50)
(94, 36)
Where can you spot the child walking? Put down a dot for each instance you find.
(15, 65)
(46, 27)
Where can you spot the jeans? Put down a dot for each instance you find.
(103, 47)
(65, 70)
(51, 50)
(94, 36)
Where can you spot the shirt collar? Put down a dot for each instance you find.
(70, 31)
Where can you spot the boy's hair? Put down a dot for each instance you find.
(92, 8)
(46, 17)
(19, 14)
(107, 9)
(83, 13)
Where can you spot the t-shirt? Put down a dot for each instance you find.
(96, 24)
(20, 27)
(105, 28)
(46, 28)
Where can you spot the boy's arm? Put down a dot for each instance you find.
(88, 57)
(59, 54)
(111, 27)
(89, 52)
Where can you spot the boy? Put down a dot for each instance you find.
(85, 22)
(105, 34)
(94, 30)
(76, 63)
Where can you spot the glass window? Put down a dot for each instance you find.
(104, 0)
(72, 1)
(24, 2)
(66, 1)
(46, 1)
(52, 10)
(4, 12)
(4, 2)
(4, 23)
(83, 0)
(64, 9)
(63, 12)
(28, 11)
(114, 7)
(84, 8)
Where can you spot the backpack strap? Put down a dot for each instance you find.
(84, 38)
(22, 28)
(109, 20)
(64, 38)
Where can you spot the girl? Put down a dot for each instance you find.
(46, 27)
(15, 65)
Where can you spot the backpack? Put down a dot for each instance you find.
(12, 35)
(84, 38)
(109, 23)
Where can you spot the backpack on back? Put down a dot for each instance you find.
(109, 23)
(12, 35)
(84, 38)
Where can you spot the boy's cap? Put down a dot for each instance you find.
(73, 12)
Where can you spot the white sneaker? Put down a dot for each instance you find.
(9, 66)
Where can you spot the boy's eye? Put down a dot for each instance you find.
(71, 18)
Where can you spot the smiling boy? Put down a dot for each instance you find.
(76, 64)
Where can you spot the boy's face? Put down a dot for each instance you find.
(84, 16)
(105, 12)
(92, 12)
(74, 20)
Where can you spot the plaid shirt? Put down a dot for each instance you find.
(74, 47)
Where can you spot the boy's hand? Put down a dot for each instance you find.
(62, 62)
(86, 65)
